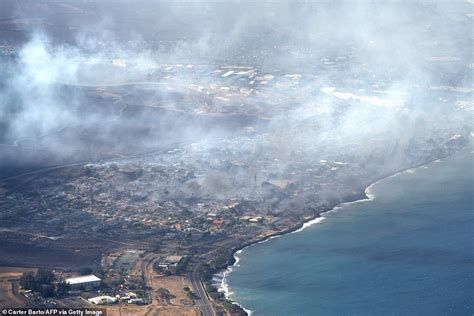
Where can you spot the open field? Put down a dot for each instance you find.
(152, 311)
(9, 277)
(22, 249)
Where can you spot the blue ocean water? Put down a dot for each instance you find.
(410, 251)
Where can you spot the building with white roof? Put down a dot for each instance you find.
(84, 282)
(102, 300)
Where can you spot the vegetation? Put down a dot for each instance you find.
(182, 264)
(234, 309)
(85, 271)
(213, 292)
(222, 258)
(191, 295)
(207, 272)
(165, 294)
(43, 282)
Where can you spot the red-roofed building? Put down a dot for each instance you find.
(218, 222)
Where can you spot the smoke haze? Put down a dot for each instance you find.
(88, 80)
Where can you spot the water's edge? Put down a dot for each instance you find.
(367, 195)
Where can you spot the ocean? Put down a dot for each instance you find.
(408, 250)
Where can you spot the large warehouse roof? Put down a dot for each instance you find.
(82, 279)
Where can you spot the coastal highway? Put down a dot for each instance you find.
(202, 301)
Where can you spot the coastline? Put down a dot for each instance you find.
(365, 196)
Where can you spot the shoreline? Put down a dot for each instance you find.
(364, 196)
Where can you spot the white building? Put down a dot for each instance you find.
(102, 300)
(84, 282)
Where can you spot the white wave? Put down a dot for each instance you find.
(369, 190)
(265, 240)
(224, 285)
(237, 258)
(310, 223)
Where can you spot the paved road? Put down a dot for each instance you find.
(202, 301)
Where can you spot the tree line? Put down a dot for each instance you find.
(44, 282)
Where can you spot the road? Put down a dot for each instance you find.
(16, 293)
(146, 266)
(203, 300)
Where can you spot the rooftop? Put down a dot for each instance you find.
(82, 279)
(102, 300)
(173, 259)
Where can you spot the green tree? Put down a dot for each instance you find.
(181, 266)
(44, 276)
(62, 288)
(27, 280)
(85, 271)
(47, 290)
